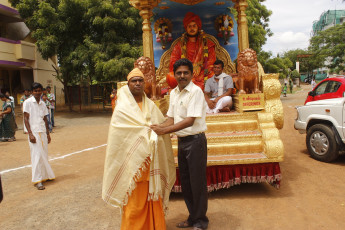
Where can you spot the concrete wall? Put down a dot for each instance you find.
(17, 31)
(5, 3)
(19, 52)
(26, 79)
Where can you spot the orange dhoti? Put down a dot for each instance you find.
(141, 214)
(139, 165)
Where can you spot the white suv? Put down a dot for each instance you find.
(323, 121)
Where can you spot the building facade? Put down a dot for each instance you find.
(328, 19)
(20, 62)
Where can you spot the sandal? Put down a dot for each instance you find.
(40, 186)
(184, 224)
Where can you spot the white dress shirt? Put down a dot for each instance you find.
(37, 112)
(190, 102)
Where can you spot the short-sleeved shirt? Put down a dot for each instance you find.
(24, 98)
(37, 112)
(51, 96)
(190, 102)
(48, 104)
(12, 102)
(212, 85)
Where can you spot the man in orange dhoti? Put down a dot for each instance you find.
(113, 99)
(195, 47)
(139, 169)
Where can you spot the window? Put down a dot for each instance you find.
(332, 86)
(321, 88)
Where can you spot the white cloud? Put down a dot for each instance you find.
(283, 41)
(292, 21)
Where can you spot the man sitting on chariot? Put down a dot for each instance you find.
(218, 90)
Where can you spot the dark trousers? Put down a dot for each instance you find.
(192, 161)
(52, 117)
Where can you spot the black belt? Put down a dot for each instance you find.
(190, 137)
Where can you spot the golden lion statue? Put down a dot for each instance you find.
(147, 67)
(248, 74)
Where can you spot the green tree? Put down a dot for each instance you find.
(294, 74)
(263, 56)
(93, 39)
(258, 27)
(307, 64)
(279, 65)
(292, 55)
(328, 48)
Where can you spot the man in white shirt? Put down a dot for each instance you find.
(51, 99)
(35, 120)
(313, 84)
(186, 117)
(218, 90)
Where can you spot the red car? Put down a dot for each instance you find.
(328, 88)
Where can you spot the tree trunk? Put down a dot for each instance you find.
(67, 94)
(89, 94)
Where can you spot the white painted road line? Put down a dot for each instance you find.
(53, 159)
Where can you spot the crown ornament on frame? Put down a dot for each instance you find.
(163, 28)
(224, 25)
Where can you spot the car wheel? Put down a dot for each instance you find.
(321, 143)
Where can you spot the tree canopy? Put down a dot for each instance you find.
(96, 39)
(258, 27)
(328, 48)
(307, 64)
(279, 65)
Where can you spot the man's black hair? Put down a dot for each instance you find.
(48, 87)
(219, 62)
(183, 62)
(36, 85)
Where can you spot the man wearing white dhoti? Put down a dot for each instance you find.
(35, 120)
(218, 90)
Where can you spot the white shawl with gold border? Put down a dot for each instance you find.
(131, 145)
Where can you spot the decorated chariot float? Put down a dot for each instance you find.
(244, 145)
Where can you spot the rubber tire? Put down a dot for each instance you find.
(333, 150)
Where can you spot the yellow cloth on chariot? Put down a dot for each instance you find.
(131, 146)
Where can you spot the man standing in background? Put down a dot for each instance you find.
(51, 99)
(27, 94)
(35, 120)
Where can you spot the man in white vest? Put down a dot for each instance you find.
(218, 90)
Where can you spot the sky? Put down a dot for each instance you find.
(292, 20)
